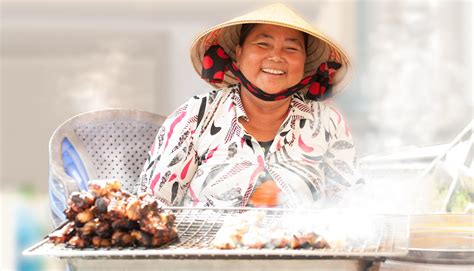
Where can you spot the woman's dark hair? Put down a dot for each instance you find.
(246, 28)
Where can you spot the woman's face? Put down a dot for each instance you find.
(272, 57)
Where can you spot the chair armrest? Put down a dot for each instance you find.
(61, 186)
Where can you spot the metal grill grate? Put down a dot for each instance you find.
(197, 228)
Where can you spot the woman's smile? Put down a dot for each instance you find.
(273, 71)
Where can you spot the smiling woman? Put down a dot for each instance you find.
(266, 137)
(272, 57)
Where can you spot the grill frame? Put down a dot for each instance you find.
(198, 226)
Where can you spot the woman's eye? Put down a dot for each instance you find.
(262, 44)
(292, 49)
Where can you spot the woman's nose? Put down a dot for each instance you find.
(276, 55)
(275, 58)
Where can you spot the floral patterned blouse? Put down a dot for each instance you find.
(202, 156)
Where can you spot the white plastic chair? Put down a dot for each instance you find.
(103, 144)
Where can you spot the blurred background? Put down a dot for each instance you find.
(410, 98)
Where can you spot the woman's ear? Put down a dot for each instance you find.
(238, 53)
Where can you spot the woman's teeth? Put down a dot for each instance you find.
(272, 71)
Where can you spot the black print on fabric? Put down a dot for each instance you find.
(342, 166)
(214, 129)
(341, 144)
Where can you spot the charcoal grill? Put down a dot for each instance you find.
(197, 228)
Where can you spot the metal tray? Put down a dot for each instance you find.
(441, 238)
(197, 228)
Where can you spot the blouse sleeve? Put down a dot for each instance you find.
(340, 168)
(172, 160)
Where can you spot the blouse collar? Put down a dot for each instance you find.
(299, 107)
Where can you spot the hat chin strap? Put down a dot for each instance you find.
(216, 62)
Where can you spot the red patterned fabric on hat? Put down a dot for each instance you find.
(216, 62)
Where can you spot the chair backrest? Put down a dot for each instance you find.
(105, 144)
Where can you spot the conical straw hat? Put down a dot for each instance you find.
(319, 49)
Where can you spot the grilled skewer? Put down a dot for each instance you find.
(107, 216)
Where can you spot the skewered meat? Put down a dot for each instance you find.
(116, 208)
(153, 225)
(100, 188)
(70, 214)
(78, 242)
(103, 229)
(98, 241)
(142, 238)
(63, 234)
(88, 229)
(308, 240)
(122, 239)
(80, 201)
(163, 238)
(107, 216)
(147, 240)
(149, 206)
(85, 216)
(167, 219)
(124, 224)
(249, 230)
(133, 209)
(101, 204)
